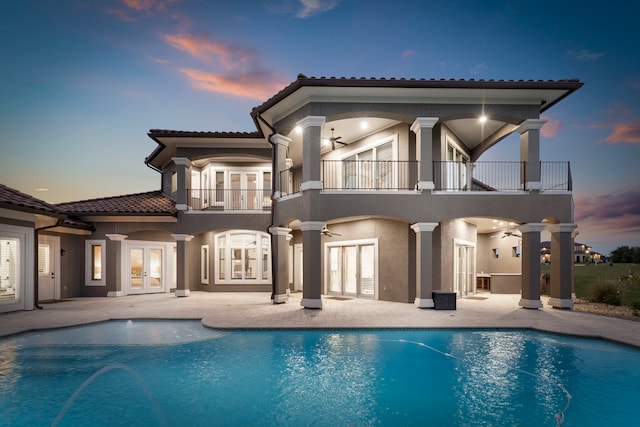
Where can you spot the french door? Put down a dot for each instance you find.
(464, 269)
(146, 269)
(243, 194)
(352, 269)
(48, 268)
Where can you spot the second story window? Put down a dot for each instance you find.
(372, 168)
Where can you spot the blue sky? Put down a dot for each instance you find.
(84, 81)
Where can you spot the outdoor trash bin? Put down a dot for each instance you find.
(444, 300)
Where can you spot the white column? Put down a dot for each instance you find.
(281, 143)
(182, 273)
(423, 128)
(424, 263)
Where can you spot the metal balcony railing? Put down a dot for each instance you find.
(229, 199)
(369, 174)
(447, 176)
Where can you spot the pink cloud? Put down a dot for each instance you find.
(407, 53)
(130, 8)
(551, 128)
(625, 133)
(258, 85)
(227, 55)
(313, 7)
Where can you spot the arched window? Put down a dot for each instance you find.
(243, 257)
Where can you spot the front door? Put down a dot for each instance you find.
(146, 270)
(48, 268)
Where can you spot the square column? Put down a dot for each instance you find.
(114, 263)
(424, 263)
(530, 285)
(530, 152)
(183, 180)
(423, 128)
(561, 265)
(182, 273)
(312, 263)
(280, 256)
(281, 143)
(311, 144)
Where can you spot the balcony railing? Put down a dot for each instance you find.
(229, 199)
(447, 176)
(369, 175)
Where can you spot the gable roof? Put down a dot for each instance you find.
(11, 198)
(149, 203)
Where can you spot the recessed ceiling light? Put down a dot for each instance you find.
(298, 130)
(364, 125)
(482, 119)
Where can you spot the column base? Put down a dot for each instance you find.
(112, 294)
(183, 292)
(423, 302)
(279, 299)
(311, 303)
(530, 303)
(561, 303)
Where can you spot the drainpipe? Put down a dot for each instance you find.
(273, 188)
(35, 259)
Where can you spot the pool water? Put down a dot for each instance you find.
(178, 373)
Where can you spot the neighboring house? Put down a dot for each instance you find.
(582, 254)
(365, 188)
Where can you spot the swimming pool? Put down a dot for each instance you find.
(178, 373)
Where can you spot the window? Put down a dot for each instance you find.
(95, 264)
(496, 252)
(9, 267)
(456, 169)
(372, 168)
(204, 264)
(243, 257)
(515, 251)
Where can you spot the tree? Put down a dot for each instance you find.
(626, 254)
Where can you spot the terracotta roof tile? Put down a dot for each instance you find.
(14, 199)
(149, 203)
(202, 134)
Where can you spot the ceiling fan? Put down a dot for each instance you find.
(510, 233)
(325, 230)
(334, 139)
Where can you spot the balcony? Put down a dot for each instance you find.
(367, 175)
(229, 200)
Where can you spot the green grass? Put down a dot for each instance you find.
(625, 277)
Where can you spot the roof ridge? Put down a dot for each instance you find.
(97, 199)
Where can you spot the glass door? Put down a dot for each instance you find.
(352, 270)
(146, 268)
(464, 266)
(244, 194)
(48, 252)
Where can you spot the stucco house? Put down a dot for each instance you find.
(350, 187)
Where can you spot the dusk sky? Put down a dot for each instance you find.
(83, 81)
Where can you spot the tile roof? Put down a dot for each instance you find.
(149, 203)
(202, 134)
(13, 199)
(302, 80)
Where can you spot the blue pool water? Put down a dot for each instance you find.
(178, 373)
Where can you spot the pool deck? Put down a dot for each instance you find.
(255, 311)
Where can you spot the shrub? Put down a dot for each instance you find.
(607, 294)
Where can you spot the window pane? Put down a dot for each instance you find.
(9, 268)
(155, 268)
(367, 270)
(250, 264)
(335, 282)
(135, 255)
(43, 258)
(96, 262)
(349, 270)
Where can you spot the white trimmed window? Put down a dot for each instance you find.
(204, 264)
(95, 262)
(243, 257)
(10, 266)
(372, 167)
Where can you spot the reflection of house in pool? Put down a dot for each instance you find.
(364, 188)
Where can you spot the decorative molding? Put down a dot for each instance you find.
(560, 303)
(280, 299)
(532, 227)
(534, 185)
(182, 237)
(423, 303)
(311, 185)
(530, 124)
(420, 227)
(562, 228)
(113, 294)
(279, 231)
(424, 122)
(182, 207)
(530, 303)
(182, 293)
(280, 140)
(311, 303)
(311, 121)
(312, 225)
(181, 161)
(116, 237)
(426, 185)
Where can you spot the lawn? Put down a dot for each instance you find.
(625, 277)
